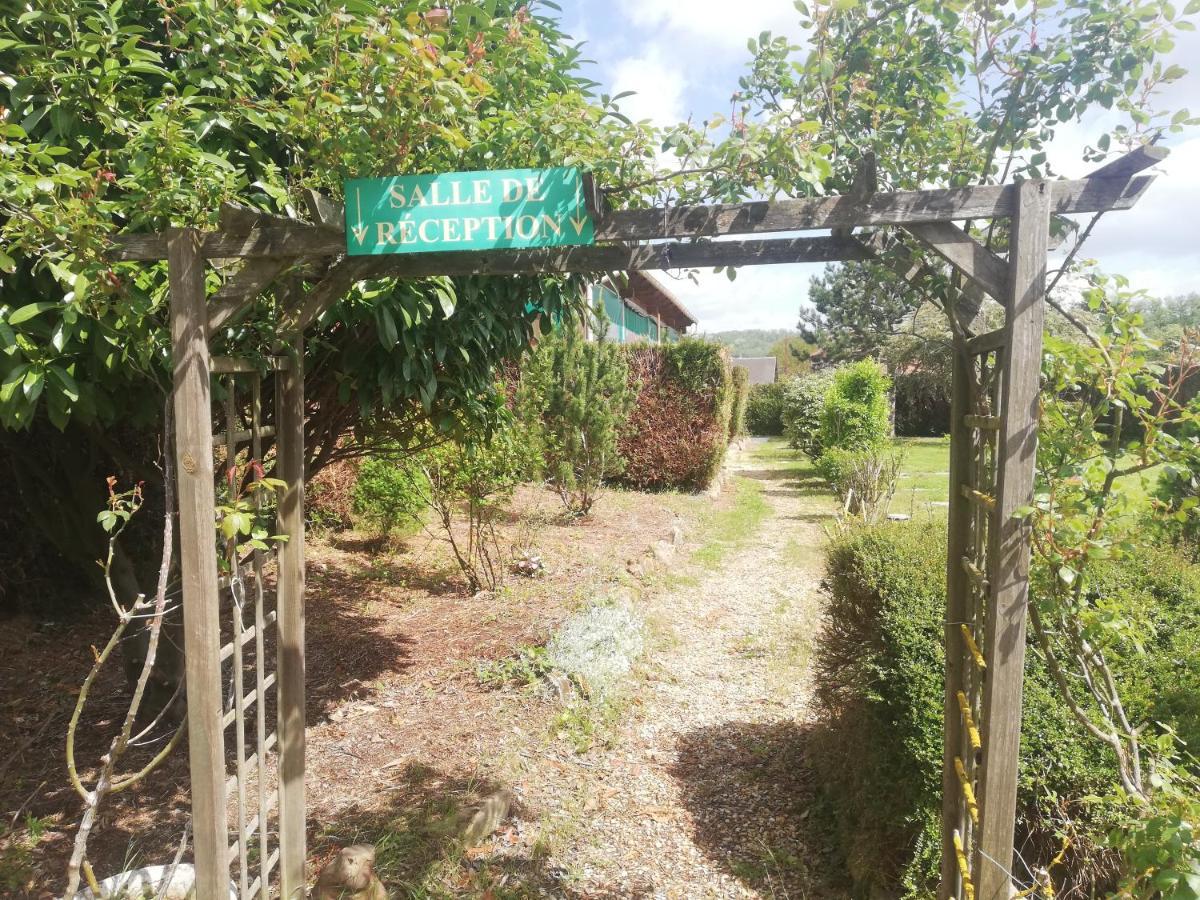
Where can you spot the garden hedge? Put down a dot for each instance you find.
(879, 708)
(741, 393)
(678, 432)
(764, 409)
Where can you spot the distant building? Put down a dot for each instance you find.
(761, 368)
(642, 310)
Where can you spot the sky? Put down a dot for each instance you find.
(683, 57)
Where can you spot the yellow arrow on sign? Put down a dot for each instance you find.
(579, 223)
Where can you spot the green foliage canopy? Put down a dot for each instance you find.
(135, 117)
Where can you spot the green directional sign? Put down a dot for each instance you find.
(511, 208)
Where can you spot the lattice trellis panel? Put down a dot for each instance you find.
(248, 656)
(966, 637)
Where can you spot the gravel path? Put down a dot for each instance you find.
(705, 791)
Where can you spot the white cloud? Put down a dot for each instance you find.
(658, 86)
(719, 25)
(1154, 244)
(760, 296)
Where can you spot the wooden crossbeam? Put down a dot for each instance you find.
(237, 218)
(756, 217)
(673, 255)
(237, 294)
(979, 264)
(987, 342)
(1131, 163)
(325, 211)
(900, 208)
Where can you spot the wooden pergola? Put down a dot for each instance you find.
(993, 448)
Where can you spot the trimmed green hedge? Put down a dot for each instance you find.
(678, 431)
(764, 409)
(879, 705)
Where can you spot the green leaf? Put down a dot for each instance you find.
(29, 311)
(70, 388)
(388, 336)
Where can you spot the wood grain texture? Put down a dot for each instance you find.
(975, 261)
(289, 411)
(198, 559)
(236, 218)
(900, 208)
(1137, 160)
(237, 294)
(759, 217)
(325, 210)
(1009, 545)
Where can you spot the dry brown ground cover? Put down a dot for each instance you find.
(690, 781)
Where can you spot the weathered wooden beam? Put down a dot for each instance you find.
(987, 342)
(672, 255)
(238, 293)
(201, 617)
(1009, 544)
(236, 218)
(863, 185)
(555, 260)
(326, 211)
(289, 412)
(979, 264)
(758, 217)
(1137, 160)
(957, 613)
(341, 276)
(901, 208)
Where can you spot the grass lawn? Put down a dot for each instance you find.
(924, 481)
(925, 477)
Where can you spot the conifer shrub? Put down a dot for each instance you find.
(764, 409)
(737, 413)
(678, 431)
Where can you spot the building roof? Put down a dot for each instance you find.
(658, 302)
(760, 368)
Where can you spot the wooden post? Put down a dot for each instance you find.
(957, 589)
(1009, 542)
(289, 418)
(198, 556)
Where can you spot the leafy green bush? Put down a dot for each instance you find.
(803, 405)
(879, 701)
(678, 431)
(764, 409)
(575, 398)
(384, 498)
(1178, 499)
(737, 411)
(856, 412)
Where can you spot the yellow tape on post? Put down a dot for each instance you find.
(973, 647)
(968, 792)
(969, 721)
(964, 870)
